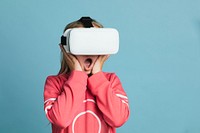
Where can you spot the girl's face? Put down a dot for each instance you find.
(87, 62)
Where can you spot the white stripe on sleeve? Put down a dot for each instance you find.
(122, 96)
(47, 108)
(50, 99)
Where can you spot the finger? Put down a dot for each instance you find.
(62, 49)
(104, 57)
(65, 54)
(72, 57)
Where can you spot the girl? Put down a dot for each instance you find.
(82, 98)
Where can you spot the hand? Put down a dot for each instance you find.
(71, 60)
(99, 63)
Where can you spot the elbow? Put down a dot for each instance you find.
(117, 124)
(58, 119)
(58, 122)
(61, 124)
(118, 121)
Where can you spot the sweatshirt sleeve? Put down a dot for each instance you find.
(111, 98)
(62, 101)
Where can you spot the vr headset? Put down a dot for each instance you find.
(90, 40)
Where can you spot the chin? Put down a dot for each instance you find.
(88, 72)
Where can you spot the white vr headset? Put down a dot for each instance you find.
(91, 41)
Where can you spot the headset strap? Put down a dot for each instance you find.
(86, 21)
(63, 40)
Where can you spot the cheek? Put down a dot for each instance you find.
(80, 59)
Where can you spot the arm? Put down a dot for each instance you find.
(62, 103)
(111, 98)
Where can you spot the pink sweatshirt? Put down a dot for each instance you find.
(76, 103)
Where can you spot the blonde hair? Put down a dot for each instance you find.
(76, 24)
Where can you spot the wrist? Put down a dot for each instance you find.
(96, 71)
(78, 68)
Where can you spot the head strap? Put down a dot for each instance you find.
(86, 21)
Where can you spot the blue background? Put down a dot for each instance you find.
(158, 62)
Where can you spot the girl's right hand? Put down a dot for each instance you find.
(71, 60)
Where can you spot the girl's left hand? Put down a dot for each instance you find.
(99, 63)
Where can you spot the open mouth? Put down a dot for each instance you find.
(88, 62)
